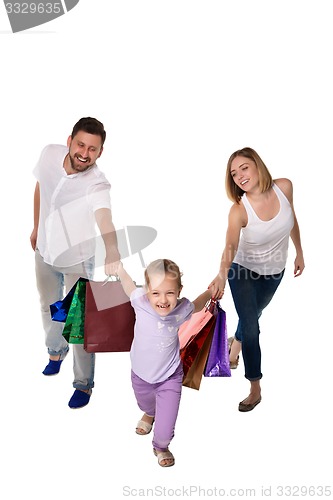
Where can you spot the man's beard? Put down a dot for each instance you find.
(80, 167)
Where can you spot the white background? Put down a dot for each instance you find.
(179, 85)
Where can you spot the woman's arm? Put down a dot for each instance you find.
(235, 223)
(295, 235)
(287, 188)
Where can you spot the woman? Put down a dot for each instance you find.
(261, 220)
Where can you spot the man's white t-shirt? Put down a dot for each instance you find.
(67, 226)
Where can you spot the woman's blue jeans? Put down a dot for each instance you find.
(251, 293)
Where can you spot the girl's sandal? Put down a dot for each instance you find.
(164, 456)
(143, 427)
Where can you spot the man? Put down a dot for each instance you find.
(71, 195)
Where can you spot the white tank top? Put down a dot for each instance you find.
(263, 246)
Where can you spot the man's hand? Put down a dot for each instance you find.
(112, 262)
(33, 239)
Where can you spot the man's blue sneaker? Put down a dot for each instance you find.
(53, 367)
(79, 399)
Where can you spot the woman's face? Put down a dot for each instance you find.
(244, 173)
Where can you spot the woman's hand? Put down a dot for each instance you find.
(217, 287)
(298, 265)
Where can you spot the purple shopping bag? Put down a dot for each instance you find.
(218, 358)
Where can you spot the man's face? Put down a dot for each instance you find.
(84, 149)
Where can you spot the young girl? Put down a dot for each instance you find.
(261, 220)
(157, 371)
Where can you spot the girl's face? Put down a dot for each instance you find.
(163, 292)
(244, 173)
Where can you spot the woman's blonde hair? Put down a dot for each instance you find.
(234, 192)
(163, 266)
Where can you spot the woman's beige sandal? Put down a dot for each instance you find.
(164, 456)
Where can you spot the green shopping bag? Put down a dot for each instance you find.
(74, 326)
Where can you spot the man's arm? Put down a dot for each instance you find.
(103, 218)
(33, 236)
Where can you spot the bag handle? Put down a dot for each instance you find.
(109, 277)
(210, 305)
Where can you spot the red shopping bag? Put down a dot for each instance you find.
(109, 318)
(195, 336)
(192, 327)
(195, 355)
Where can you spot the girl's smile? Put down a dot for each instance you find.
(163, 293)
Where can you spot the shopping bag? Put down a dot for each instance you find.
(193, 333)
(59, 310)
(74, 325)
(218, 364)
(193, 376)
(192, 327)
(191, 349)
(109, 318)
